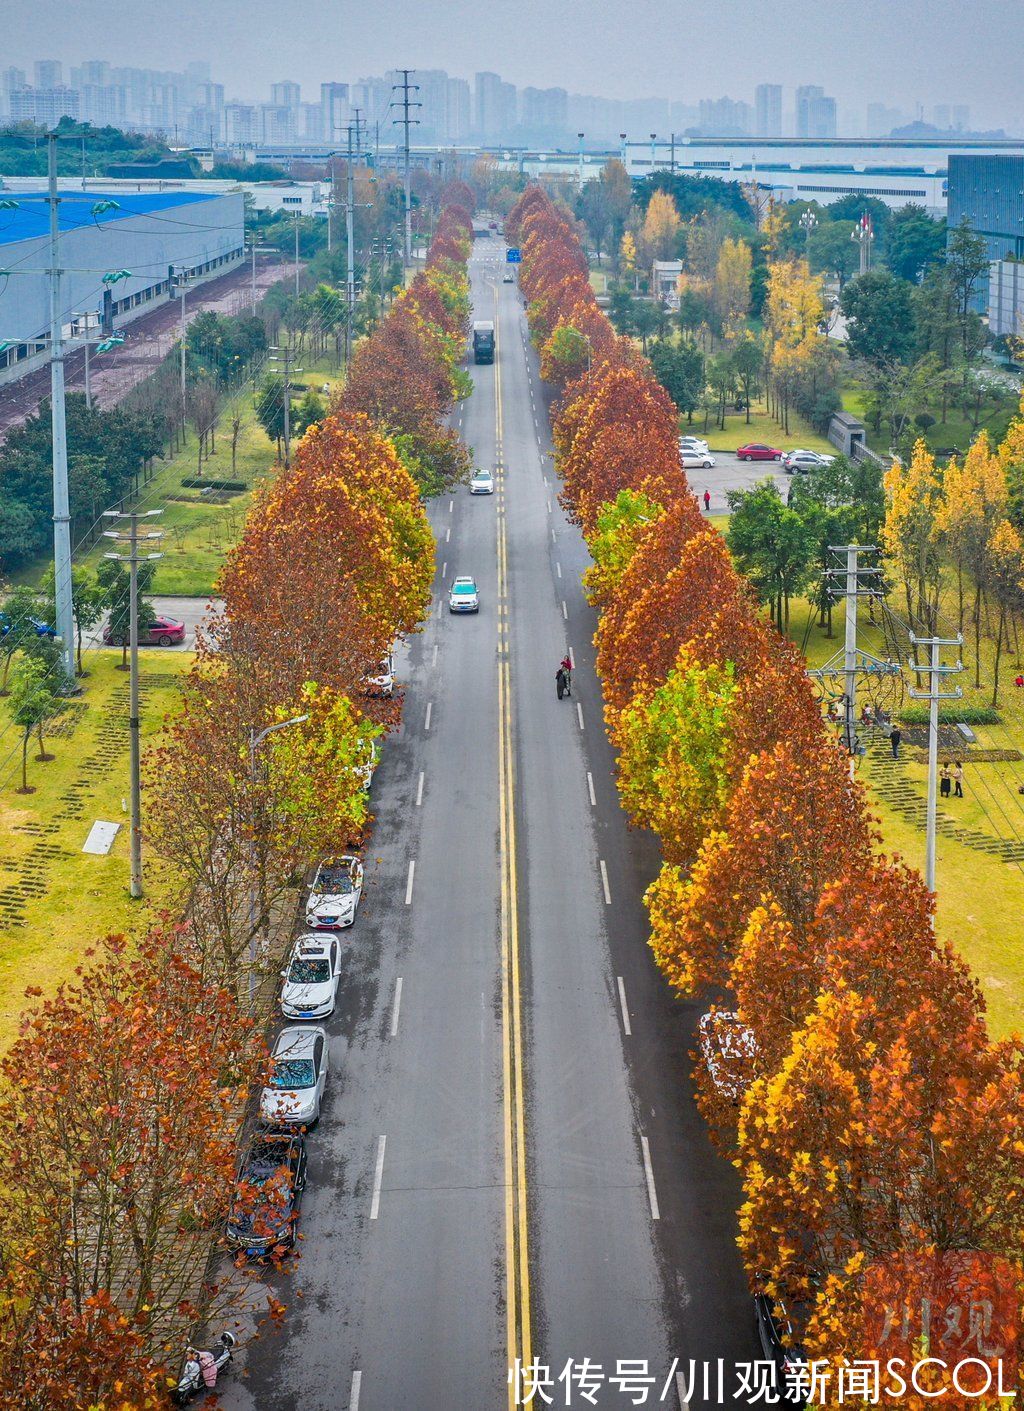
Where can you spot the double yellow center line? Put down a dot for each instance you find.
(517, 1261)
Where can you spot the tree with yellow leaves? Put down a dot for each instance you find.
(732, 285)
(1006, 576)
(913, 496)
(661, 228)
(628, 255)
(973, 504)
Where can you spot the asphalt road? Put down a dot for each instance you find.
(504, 1042)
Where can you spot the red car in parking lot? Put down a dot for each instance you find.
(162, 632)
(758, 451)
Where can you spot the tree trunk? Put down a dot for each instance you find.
(24, 762)
(999, 652)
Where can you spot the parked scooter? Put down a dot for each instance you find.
(202, 1368)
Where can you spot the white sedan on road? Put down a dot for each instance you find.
(334, 896)
(310, 989)
(298, 1073)
(464, 596)
(696, 460)
(482, 483)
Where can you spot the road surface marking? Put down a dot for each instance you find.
(451, 506)
(652, 1194)
(553, 539)
(579, 712)
(434, 662)
(517, 1263)
(444, 569)
(565, 611)
(622, 1002)
(549, 506)
(408, 885)
(378, 1176)
(684, 1405)
(590, 789)
(572, 659)
(398, 1005)
(558, 569)
(419, 791)
(430, 707)
(353, 1400)
(448, 535)
(604, 884)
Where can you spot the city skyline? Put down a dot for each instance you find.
(795, 51)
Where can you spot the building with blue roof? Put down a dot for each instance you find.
(149, 238)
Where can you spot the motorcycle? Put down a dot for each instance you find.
(202, 1369)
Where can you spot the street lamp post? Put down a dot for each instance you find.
(654, 138)
(579, 178)
(256, 739)
(807, 223)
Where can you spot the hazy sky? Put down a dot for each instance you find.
(895, 51)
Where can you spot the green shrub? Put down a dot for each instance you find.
(965, 715)
(192, 482)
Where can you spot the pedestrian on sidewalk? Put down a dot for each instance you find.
(945, 779)
(707, 501)
(895, 736)
(958, 780)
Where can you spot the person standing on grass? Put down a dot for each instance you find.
(895, 736)
(945, 777)
(958, 780)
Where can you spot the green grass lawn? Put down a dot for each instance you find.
(980, 896)
(957, 431)
(762, 427)
(56, 900)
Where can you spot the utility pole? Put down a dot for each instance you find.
(133, 561)
(65, 611)
(858, 580)
(579, 177)
(296, 254)
(933, 696)
(672, 159)
(350, 240)
(406, 122)
(284, 355)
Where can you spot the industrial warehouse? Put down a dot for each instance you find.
(119, 256)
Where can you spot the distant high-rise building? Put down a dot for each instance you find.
(49, 73)
(276, 124)
(544, 110)
(495, 107)
(961, 117)
(433, 99)
(882, 119)
(458, 110)
(310, 122)
(724, 117)
(372, 96)
(104, 104)
(336, 110)
(45, 106)
(940, 116)
(815, 113)
(241, 125)
(285, 94)
(768, 110)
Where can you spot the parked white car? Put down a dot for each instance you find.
(692, 443)
(335, 894)
(310, 989)
(795, 461)
(368, 768)
(298, 1074)
(696, 460)
(382, 683)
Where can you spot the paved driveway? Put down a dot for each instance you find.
(191, 611)
(728, 473)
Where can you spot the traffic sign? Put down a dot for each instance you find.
(513, 256)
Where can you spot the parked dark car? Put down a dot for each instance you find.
(163, 632)
(780, 1346)
(758, 451)
(41, 629)
(268, 1191)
